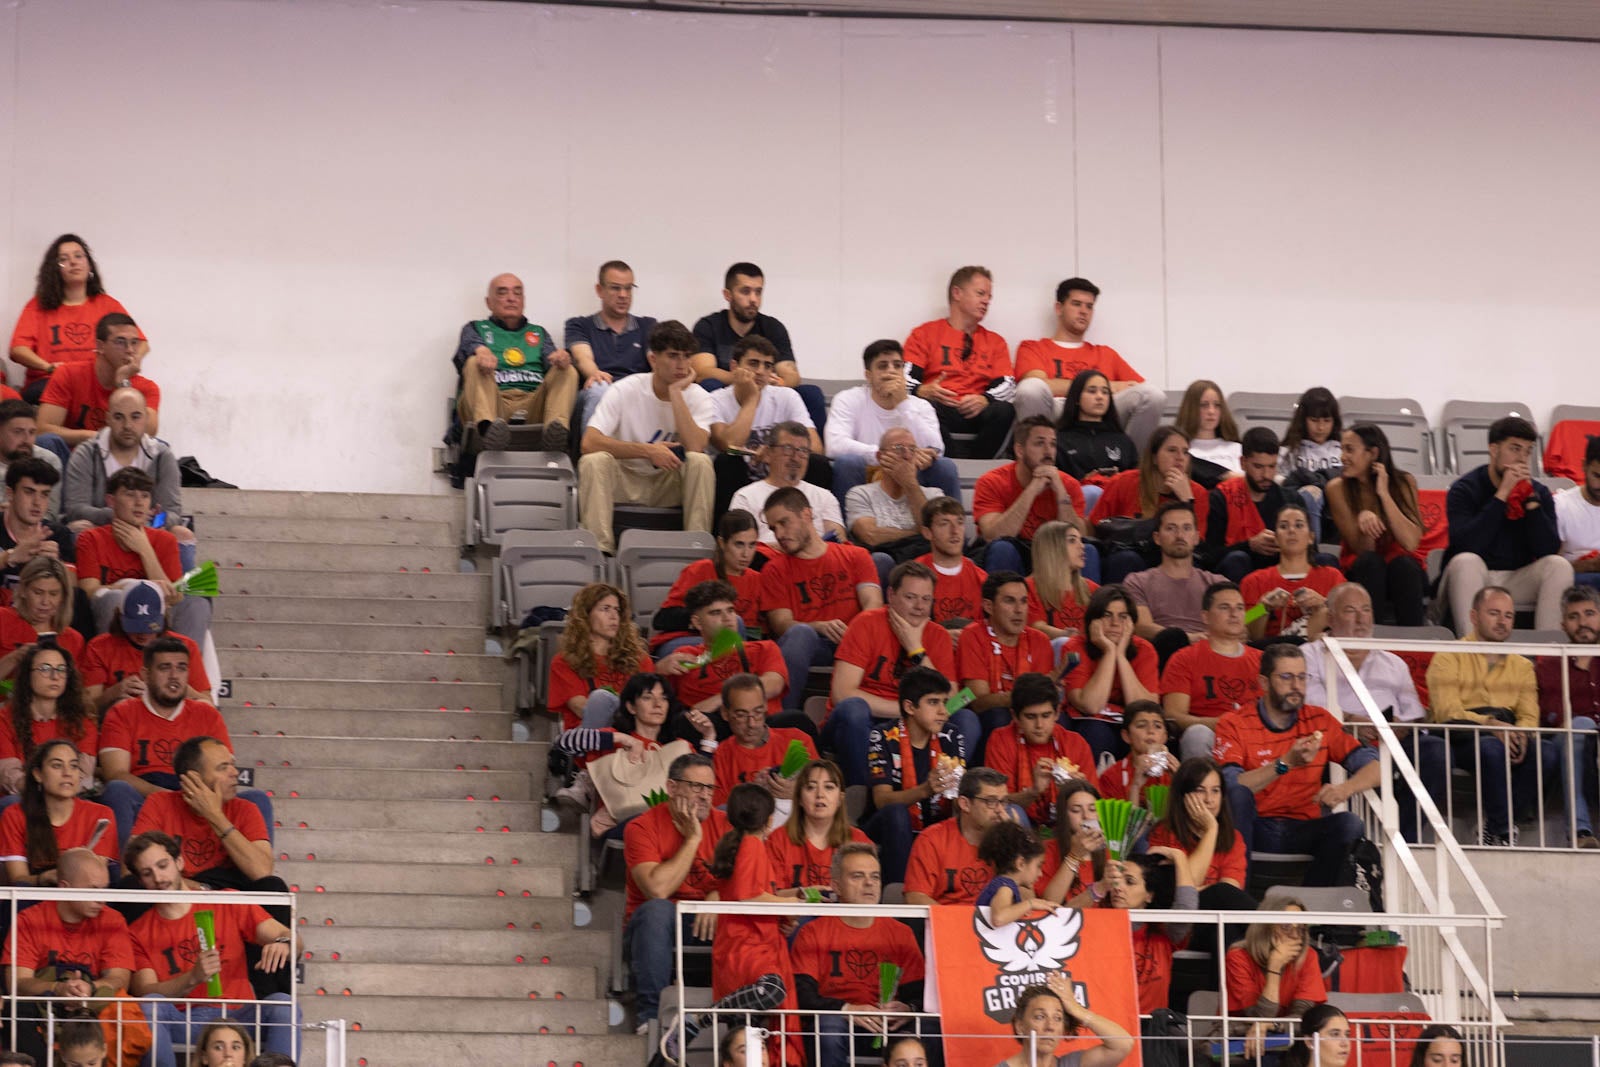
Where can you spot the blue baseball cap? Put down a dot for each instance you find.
(143, 609)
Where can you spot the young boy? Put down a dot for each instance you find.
(958, 586)
(1035, 750)
(911, 763)
(1144, 731)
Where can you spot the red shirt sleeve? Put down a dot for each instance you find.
(214, 724)
(1179, 675)
(87, 548)
(166, 547)
(972, 655)
(56, 392)
(26, 332)
(862, 570)
(855, 647)
(940, 649)
(988, 497)
(198, 678)
(13, 834)
(115, 730)
(1228, 749)
(1202, 504)
(1120, 498)
(922, 872)
(1145, 665)
(919, 346)
(93, 666)
(1231, 865)
(1245, 981)
(246, 818)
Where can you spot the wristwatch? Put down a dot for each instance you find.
(1281, 767)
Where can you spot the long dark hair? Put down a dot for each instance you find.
(1069, 408)
(749, 809)
(1160, 878)
(635, 687)
(736, 521)
(1151, 486)
(71, 710)
(1419, 1052)
(48, 289)
(1099, 607)
(1068, 790)
(1189, 776)
(1317, 1016)
(1359, 493)
(43, 852)
(1315, 403)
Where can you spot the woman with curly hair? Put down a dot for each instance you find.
(57, 324)
(47, 703)
(600, 650)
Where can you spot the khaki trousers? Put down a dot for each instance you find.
(603, 480)
(482, 401)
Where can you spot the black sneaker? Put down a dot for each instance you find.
(555, 437)
(496, 436)
(1586, 839)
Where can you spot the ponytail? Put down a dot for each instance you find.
(750, 808)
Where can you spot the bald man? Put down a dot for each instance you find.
(512, 371)
(124, 442)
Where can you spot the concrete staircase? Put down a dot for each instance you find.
(438, 921)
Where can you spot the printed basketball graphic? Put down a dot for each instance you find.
(515, 358)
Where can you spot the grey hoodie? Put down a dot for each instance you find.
(85, 494)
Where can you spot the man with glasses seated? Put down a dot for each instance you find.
(744, 416)
(74, 403)
(667, 850)
(944, 866)
(787, 454)
(609, 344)
(1273, 756)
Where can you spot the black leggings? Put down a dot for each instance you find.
(1397, 586)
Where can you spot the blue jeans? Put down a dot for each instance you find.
(125, 801)
(802, 648)
(1120, 564)
(1012, 554)
(1102, 734)
(600, 709)
(890, 830)
(851, 471)
(169, 1027)
(1429, 754)
(850, 725)
(648, 940)
(1583, 758)
(1313, 503)
(1327, 838)
(57, 444)
(1489, 768)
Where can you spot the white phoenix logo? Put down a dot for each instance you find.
(1044, 944)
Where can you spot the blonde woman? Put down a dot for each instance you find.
(1058, 592)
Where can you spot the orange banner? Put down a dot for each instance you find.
(979, 971)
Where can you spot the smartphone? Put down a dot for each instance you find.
(158, 520)
(47, 640)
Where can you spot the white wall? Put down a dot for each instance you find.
(301, 201)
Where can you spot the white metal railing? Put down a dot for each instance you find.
(18, 898)
(1448, 983)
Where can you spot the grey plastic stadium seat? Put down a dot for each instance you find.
(1333, 898)
(832, 387)
(1465, 424)
(520, 491)
(543, 569)
(1272, 410)
(649, 561)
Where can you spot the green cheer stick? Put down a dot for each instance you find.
(1156, 796)
(888, 986)
(963, 697)
(1257, 612)
(202, 581)
(1113, 816)
(795, 757)
(205, 924)
(722, 643)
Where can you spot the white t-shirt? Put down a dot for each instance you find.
(1578, 522)
(630, 412)
(871, 501)
(856, 423)
(1229, 454)
(778, 403)
(753, 498)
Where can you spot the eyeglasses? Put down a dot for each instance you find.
(751, 715)
(57, 669)
(992, 803)
(1286, 677)
(899, 450)
(798, 451)
(696, 787)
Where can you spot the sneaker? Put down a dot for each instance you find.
(555, 437)
(642, 1029)
(1490, 840)
(497, 436)
(1586, 839)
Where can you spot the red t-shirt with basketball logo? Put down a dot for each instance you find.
(75, 388)
(998, 489)
(956, 596)
(944, 865)
(112, 657)
(42, 938)
(169, 947)
(74, 833)
(1244, 740)
(46, 730)
(1068, 615)
(947, 358)
(844, 960)
(821, 588)
(15, 632)
(651, 838)
(102, 559)
(760, 657)
(64, 335)
(734, 764)
(1259, 583)
(801, 865)
(1216, 684)
(869, 643)
(1064, 364)
(982, 656)
(151, 740)
(202, 848)
(566, 683)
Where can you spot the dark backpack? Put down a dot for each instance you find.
(1164, 1034)
(1363, 869)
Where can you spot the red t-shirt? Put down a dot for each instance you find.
(937, 348)
(760, 657)
(748, 604)
(1140, 653)
(734, 764)
(169, 947)
(1152, 965)
(998, 489)
(1565, 443)
(821, 588)
(1116, 781)
(202, 848)
(981, 656)
(747, 946)
(651, 838)
(16, 632)
(1244, 740)
(150, 740)
(46, 730)
(1230, 864)
(944, 865)
(65, 335)
(105, 561)
(844, 960)
(74, 833)
(1216, 684)
(1068, 615)
(1065, 364)
(801, 865)
(75, 388)
(1016, 761)
(41, 938)
(112, 657)
(566, 683)
(1299, 981)
(956, 596)
(870, 644)
(1052, 864)
(1259, 583)
(1121, 499)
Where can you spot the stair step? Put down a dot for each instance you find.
(379, 583)
(325, 506)
(367, 783)
(488, 725)
(388, 636)
(401, 611)
(430, 878)
(470, 1015)
(398, 755)
(340, 666)
(218, 528)
(379, 944)
(461, 816)
(472, 980)
(416, 846)
(354, 694)
(399, 1048)
(331, 556)
(420, 911)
